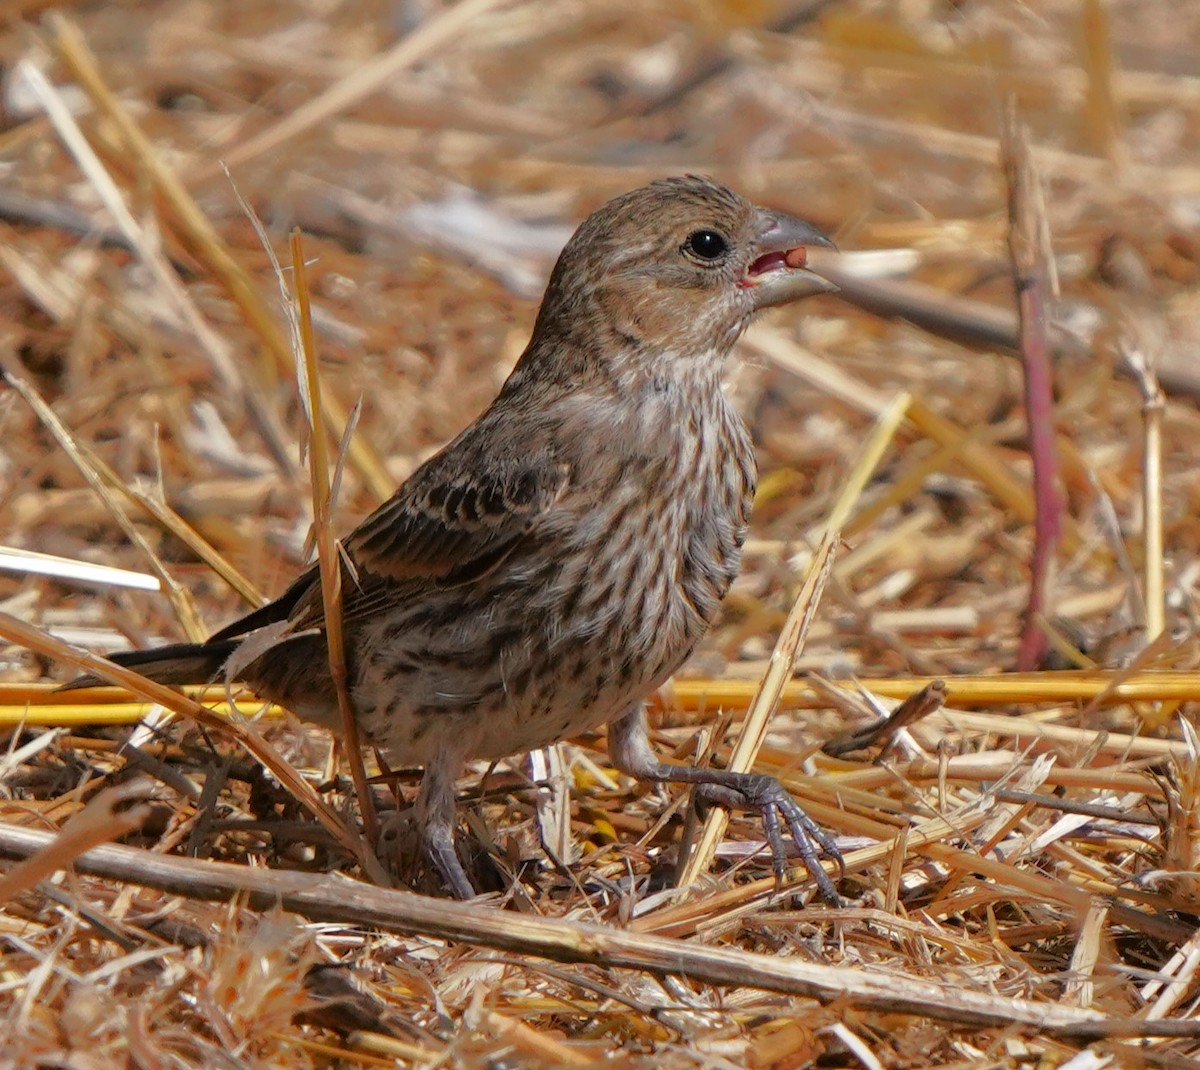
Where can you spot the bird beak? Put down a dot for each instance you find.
(779, 272)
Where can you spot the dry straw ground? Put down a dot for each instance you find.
(1021, 882)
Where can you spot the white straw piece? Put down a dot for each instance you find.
(66, 568)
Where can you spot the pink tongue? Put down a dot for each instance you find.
(796, 258)
(792, 258)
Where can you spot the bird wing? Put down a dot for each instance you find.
(274, 611)
(448, 524)
(454, 523)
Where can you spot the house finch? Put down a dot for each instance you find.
(565, 553)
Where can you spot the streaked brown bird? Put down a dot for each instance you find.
(562, 556)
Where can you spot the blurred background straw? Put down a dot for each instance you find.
(1036, 836)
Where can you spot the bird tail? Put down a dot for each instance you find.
(179, 663)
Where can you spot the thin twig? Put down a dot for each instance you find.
(98, 822)
(915, 707)
(1026, 227)
(335, 898)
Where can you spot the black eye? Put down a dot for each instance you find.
(706, 244)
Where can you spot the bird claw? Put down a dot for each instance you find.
(436, 845)
(442, 853)
(765, 795)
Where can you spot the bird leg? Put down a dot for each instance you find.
(434, 813)
(629, 748)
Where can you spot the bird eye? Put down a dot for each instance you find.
(706, 244)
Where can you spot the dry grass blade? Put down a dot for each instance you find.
(337, 899)
(1171, 987)
(202, 239)
(30, 562)
(76, 55)
(98, 822)
(766, 700)
(526, 1040)
(791, 638)
(1104, 114)
(180, 528)
(981, 461)
(166, 281)
(1053, 162)
(1081, 989)
(1153, 568)
(116, 711)
(87, 460)
(1101, 686)
(185, 609)
(435, 155)
(328, 551)
(17, 631)
(367, 79)
(39, 704)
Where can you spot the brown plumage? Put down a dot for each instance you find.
(563, 555)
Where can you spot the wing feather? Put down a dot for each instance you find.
(458, 528)
(447, 524)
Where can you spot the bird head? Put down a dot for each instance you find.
(679, 266)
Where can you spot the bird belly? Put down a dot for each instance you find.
(599, 606)
(546, 648)
(506, 677)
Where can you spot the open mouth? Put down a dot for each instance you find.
(781, 272)
(779, 261)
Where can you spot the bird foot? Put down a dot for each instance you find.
(439, 845)
(396, 847)
(766, 796)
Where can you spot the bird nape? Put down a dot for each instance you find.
(562, 556)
